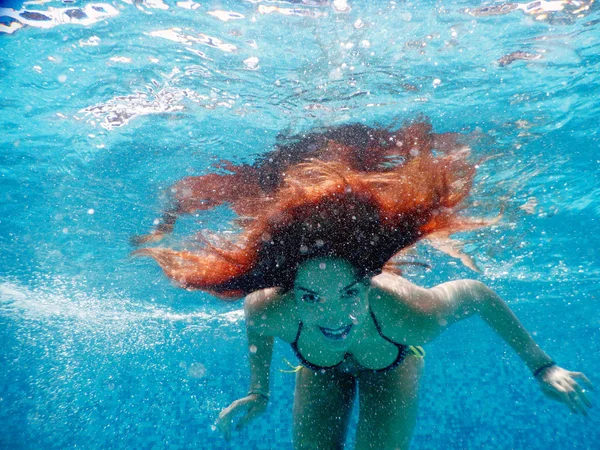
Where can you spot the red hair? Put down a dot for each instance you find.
(351, 192)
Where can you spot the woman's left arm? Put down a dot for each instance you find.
(460, 299)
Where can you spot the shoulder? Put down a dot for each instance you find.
(411, 313)
(258, 301)
(268, 310)
(436, 301)
(403, 309)
(393, 291)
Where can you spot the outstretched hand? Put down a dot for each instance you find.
(561, 385)
(253, 405)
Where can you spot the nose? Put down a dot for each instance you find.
(340, 316)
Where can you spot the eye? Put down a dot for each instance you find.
(350, 293)
(310, 298)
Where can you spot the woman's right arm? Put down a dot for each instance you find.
(260, 349)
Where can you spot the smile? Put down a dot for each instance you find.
(337, 334)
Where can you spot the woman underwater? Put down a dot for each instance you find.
(323, 219)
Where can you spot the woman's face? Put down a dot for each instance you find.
(331, 300)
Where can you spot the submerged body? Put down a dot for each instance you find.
(326, 216)
(353, 333)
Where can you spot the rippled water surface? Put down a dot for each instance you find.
(103, 105)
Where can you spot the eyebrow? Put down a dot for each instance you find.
(307, 290)
(317, 293)
(350, 285)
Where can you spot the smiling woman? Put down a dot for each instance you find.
(330, 211)
(337, 314)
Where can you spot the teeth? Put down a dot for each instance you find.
(338, 333)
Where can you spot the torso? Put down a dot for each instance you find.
(399, 323)
(372, 353)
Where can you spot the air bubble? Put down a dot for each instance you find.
(196, 370)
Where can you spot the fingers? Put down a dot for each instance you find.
(223, 423)
(578, 393)
(565, 398)
(581, 393)
(252, 414)
(572, 394)
(225, 420)
(224, 427)
(245, 420)
(581, 376)
(577, 403)
(561, 385)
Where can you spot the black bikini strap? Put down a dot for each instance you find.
(378, 327)
(298, 333)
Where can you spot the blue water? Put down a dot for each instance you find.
(100, 113)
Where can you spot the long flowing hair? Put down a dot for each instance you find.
(353, 192)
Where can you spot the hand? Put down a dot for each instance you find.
(559, 384)
(254, 405)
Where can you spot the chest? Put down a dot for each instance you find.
(371, 352)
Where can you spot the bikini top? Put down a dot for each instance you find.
(402, 351)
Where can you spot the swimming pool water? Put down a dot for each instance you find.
(105, 104)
